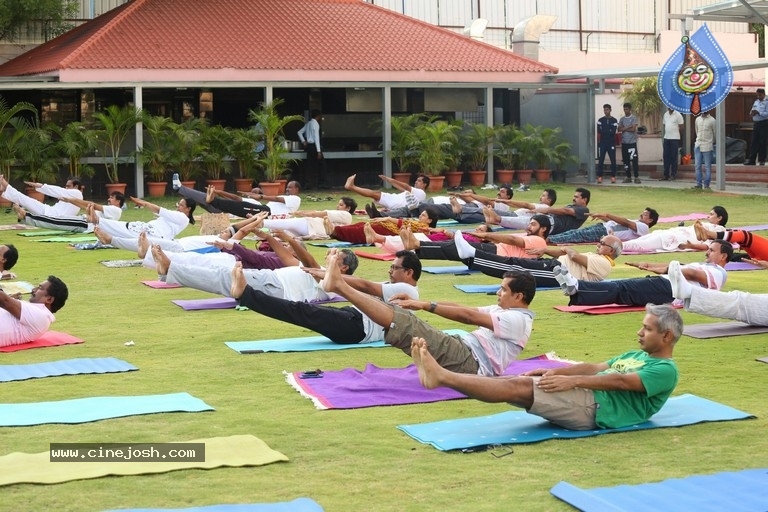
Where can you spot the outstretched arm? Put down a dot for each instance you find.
(517, 204)
(617, 219)
(145, 204)
(11, 305)
(81, 203)
(556, 211)
(451, 311)
(399, 185)
(656, 268)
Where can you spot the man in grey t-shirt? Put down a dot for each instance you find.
(628, 130)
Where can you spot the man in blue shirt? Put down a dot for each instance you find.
(606, 142)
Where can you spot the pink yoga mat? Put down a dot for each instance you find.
(603, 309)
(160, 284)
(376, 255)
(49, 339)
(678, 218)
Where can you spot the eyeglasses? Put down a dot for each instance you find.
(396, 267)
(604, 244)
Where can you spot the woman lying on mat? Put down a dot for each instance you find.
(677, 238)
(355, 233)
(168, 223)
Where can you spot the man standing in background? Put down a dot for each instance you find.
(606, 143)
(703, 149)
(672, 121)
(309, 136)
(759, 113)
(628, 130)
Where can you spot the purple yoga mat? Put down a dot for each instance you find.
(740, 265)
(202, 304)
(351, 388)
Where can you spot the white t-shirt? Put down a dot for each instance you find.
(495, 349)
(110, 212)
(623, 233)
(168, 224)
(299, 286)
(61, 209)
(291, 204)
(716, 275)
(35, 320)
(375, 332)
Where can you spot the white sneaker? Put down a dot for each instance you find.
(463, 249)
(568, 283)
(176, 182)
(681, 288)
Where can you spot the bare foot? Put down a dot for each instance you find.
(350, 184)
(162, 263)
(332, 278)
(410, 242)
(455, 205)
(90, 214)
(491, 217)
(239, 283)
(210, 193)
(143, 245)
(328, 226)
(702, 233)
(429, 369)
(104, 238)
(3, 183)
(370, 234)
(21, 213)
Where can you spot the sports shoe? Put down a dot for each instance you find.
(681, 288)
(599, 180)
(637, 180)
(749, 163)
(567, 282)
(696, 186)
(176, 182)
(627, 180)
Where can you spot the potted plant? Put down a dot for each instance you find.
(434, 145)
(539, 146)
(562, 156)
(156, 152)
(38, 157)
(113, 125)
(13, 128)
(508, 149)
(403, 130)
(275, 158)
(186, 150)
(75, 141)
(245, 142)
(475, 139)
(215, 141)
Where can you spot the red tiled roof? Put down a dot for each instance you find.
(307, 36)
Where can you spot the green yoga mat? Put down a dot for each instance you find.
(43, 232)
(68, 239)
(231, 451)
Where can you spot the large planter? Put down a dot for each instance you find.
(477, 178)
(116, 187)
(453, 179)
(543, 175)
(189, 183)
(34, 194)
(504, 176)
(156, 188)
(243, 184)
(405, 177)
(217, 184)
(524, 177)
(271, 188)
(436, 183)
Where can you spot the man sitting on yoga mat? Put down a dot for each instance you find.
(22, 322)
(625, 390)
(344, 325)
(750, 308)
(644, 290)
(502, 333)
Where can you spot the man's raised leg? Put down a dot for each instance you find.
(366, 192)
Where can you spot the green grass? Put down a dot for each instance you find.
(356, 459)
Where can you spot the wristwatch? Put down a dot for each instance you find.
(432, 307)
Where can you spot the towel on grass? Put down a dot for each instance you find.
(722, 329)
(84, 410)
(740, 490)
(740, 265)
(382, 256)
(43, 232)
(352, 389)
(121, 263)
(604, 309)
(9, 227)
(305, 344)
(11, 287)
(515, 427)
(81, 366)
(230, 451)
(492, 288)
(68, 239)
(48, 339)
(679, 218)
(297, 505)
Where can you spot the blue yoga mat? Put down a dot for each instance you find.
(297, 505)
(308, 344)
(447, 222)
(455, 269)
(515, 427)
(11, 372)
(738, 491)
(83, 410)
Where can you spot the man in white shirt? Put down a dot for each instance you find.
(309, 136)
(113, 210)
(414, 194)
(22, 322)
(703, 149)
(672, 121)
(59, 209)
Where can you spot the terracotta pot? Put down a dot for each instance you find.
(436, 183)
(477, 178)
(243, 184)
(405, 177)
(217, 184)
(453, 179)
(156, 188)
(189, 184)
(271, 188)
(116, 187)
(34, 194)
(524, 177)
(505, 176)
(543, 175)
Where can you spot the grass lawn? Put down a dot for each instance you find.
(357, 459)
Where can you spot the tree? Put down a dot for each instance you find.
(50, 15)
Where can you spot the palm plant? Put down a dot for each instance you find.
(38, 156)
(403, 139)
(13, 129)
(186, 148)
(475, 140)
(435, 145)
(243, 150)
(507, 145)
(75, 141)
(157, 152)
(112, 128)
(274, 158)
(215, 141)
(538, 145)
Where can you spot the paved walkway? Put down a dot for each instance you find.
(735, 188)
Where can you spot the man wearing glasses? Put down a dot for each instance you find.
(344, 325)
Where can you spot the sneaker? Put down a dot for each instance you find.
(664, 179)
(613, 179)
(696, 186)
(627, 180)
(749, 163)
(176, 182)
(567, 282)
(760, 163)
(707, 188)
(637, 180)
(599, 180)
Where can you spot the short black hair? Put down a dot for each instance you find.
(552, 194)
(653, 214)
(11, 257)
(761, 90)
(725, 248)
(722, 213)
(350, 203)
(119, 196)
(424, 178)
(59, 291)
(544, 221)
(509, 189)
(349, 258)
(521, 281)
(315, 112)
(411, 262)
(585, 193)
(628, 105)
(607, 105)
